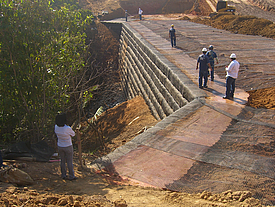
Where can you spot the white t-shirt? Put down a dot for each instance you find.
(233, 69)
(64, 135)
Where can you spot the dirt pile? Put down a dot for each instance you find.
(268, 5)
(92, 190)
(26, 197)
(118, 125)
(262, 98)
(238, 24)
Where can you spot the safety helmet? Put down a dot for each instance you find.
(204, 49)
(172, 25)
(211, 47)
(233, 55)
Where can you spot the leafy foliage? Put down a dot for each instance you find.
(42, 61)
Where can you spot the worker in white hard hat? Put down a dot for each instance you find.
(172, 35)
(232, 74)
(203, 64)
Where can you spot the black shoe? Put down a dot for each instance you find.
(205, 86)
(225, 97)
(212, 79)
(200, 87)
(74, 178)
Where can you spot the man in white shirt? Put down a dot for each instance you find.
(232, 74)
(64, 134)
(140, 13)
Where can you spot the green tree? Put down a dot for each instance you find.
(42, 61)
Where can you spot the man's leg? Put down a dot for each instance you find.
(61, 152)
(212, 71)
(172, 43)
(233, 88)
(69, 157)
(205, 77)
(200, 79)
(228, 87)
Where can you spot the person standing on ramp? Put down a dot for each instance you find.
(232, 73)
(203, 62)
(172, 35)
(212, 56)
(140, 13)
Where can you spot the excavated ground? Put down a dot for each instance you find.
(119, 125)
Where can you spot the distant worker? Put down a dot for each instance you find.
(172, 35)
(140, 13)
(212, 56)
(126, 15)
(203, 62)
(65, 146)
(232, 74)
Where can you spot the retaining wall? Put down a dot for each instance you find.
(145, 72)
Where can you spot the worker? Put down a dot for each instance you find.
(140, 13)
(172, 35)
(64, 134)
(212, 56)
(231, 76)
(203, 62)
(126, 15)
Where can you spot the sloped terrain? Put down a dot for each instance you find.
(118, 125)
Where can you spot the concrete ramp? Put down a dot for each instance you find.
(208, 144)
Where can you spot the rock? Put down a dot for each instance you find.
(15, 176)
(62, 202)
(245, 195)
(205, 195)
(120, 203)
(77, 204)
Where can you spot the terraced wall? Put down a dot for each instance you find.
(145, 72)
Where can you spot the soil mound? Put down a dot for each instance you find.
(250, 25)
(262, 98)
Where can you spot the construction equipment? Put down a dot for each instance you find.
(223, 6)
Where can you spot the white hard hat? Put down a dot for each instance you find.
(233, 55)
(204, 49)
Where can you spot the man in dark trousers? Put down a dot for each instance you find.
(126, 15)
(232, 73)
(203, 62)
(172, 35)
(212, 56)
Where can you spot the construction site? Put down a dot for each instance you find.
(170, 143)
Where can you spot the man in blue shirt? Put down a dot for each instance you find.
(172, 35)
(212, 56)
(203, 62)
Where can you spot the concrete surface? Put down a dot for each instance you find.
(208, 144)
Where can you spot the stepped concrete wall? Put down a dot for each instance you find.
(146, 72)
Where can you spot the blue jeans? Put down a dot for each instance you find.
(66, 155)
(173, 41)
(230, 87)
(203, 75)
(212, 71)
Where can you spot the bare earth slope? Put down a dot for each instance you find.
(103, 189)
